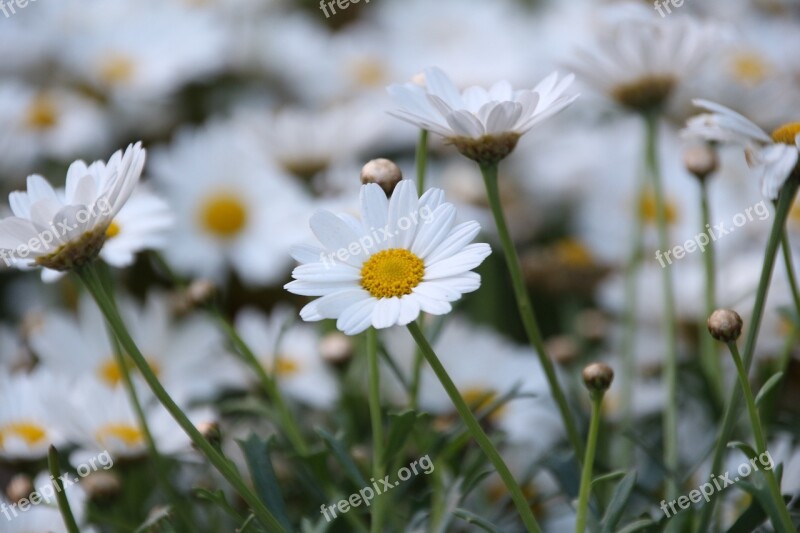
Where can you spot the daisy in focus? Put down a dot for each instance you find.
(483, 125)
(773, 158)
(62, 230)
(403, 256)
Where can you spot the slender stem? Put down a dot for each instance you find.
(475, 429)
(61, 497)
(731, 409)
(422, 159)
(761, 441)
(526, 309)
(789, 263)
(588, 463)
(709, 358)
(376, 420)
(88, 276)
(288, 421)
(669, 327)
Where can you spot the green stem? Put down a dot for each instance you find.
(475, 429)
(588, 463)
(789, 263)
(709, 358)
(761, 441)
(422, 160)
(61, 497)
(288, 422)
(90, 279)
(489, 173)
(731, 409)
(669, 327)
(376, 420)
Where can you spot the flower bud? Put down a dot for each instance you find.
(725, 325)
(384, 172)
(598, 377)
(210, 430)
(195, 295)
(20, 486)
(336, 348)
(700, 160)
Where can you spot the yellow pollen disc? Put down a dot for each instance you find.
(30, 432)
(573, 253)
(750, 68)
(116, 69)
(130, 435)
(111, 373)
(285, 367)
(786, 134)
(647, 205)
(42, 113)
(478, 399)
(223, 215)
(393, 272)
(369, 73)
(112, 230)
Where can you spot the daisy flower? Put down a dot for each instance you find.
(63, 230)
(773, 158)
(639, 61)
(403, 256)
(290, 352)
(483, 125)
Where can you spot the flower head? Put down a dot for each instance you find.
(61, 230)
(483, 125)
(772, 157)
(403, 256)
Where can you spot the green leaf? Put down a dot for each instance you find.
(771, 383)
(338, 449)
(608, 477)
(619, 500)
(401, 426)
(472, 518)
(257, 454)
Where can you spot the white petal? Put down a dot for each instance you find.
(469, 258)
(336, 236)
(386, 313)
(433, 231)
(409, 309)
(403, 205)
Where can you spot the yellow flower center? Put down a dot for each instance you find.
(647, 206)
(393, 272)
(111, 373)
(130, 435)
(573, 253)
(478, 398)
(112, 230)
(30, 432)
(223, 215)
(787, 133)
(42, 113)
(285, 367)
(369, 72)
(116, 69)
(750, 68)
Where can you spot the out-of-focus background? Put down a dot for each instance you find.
(256, 113)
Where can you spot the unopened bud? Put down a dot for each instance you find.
(210, 430)
(384, 172)
(20, 486)
(725, 325)
(102, 485)
(336, 348)
(195, 295)
(700, 160)
(598, 377)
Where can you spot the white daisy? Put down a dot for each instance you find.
(63, 230)
(290, 352)
(27, 424)
(639, 60)
(404, 256)
(141, 224)
(773, 158)
(186, 355)
(484, 125)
